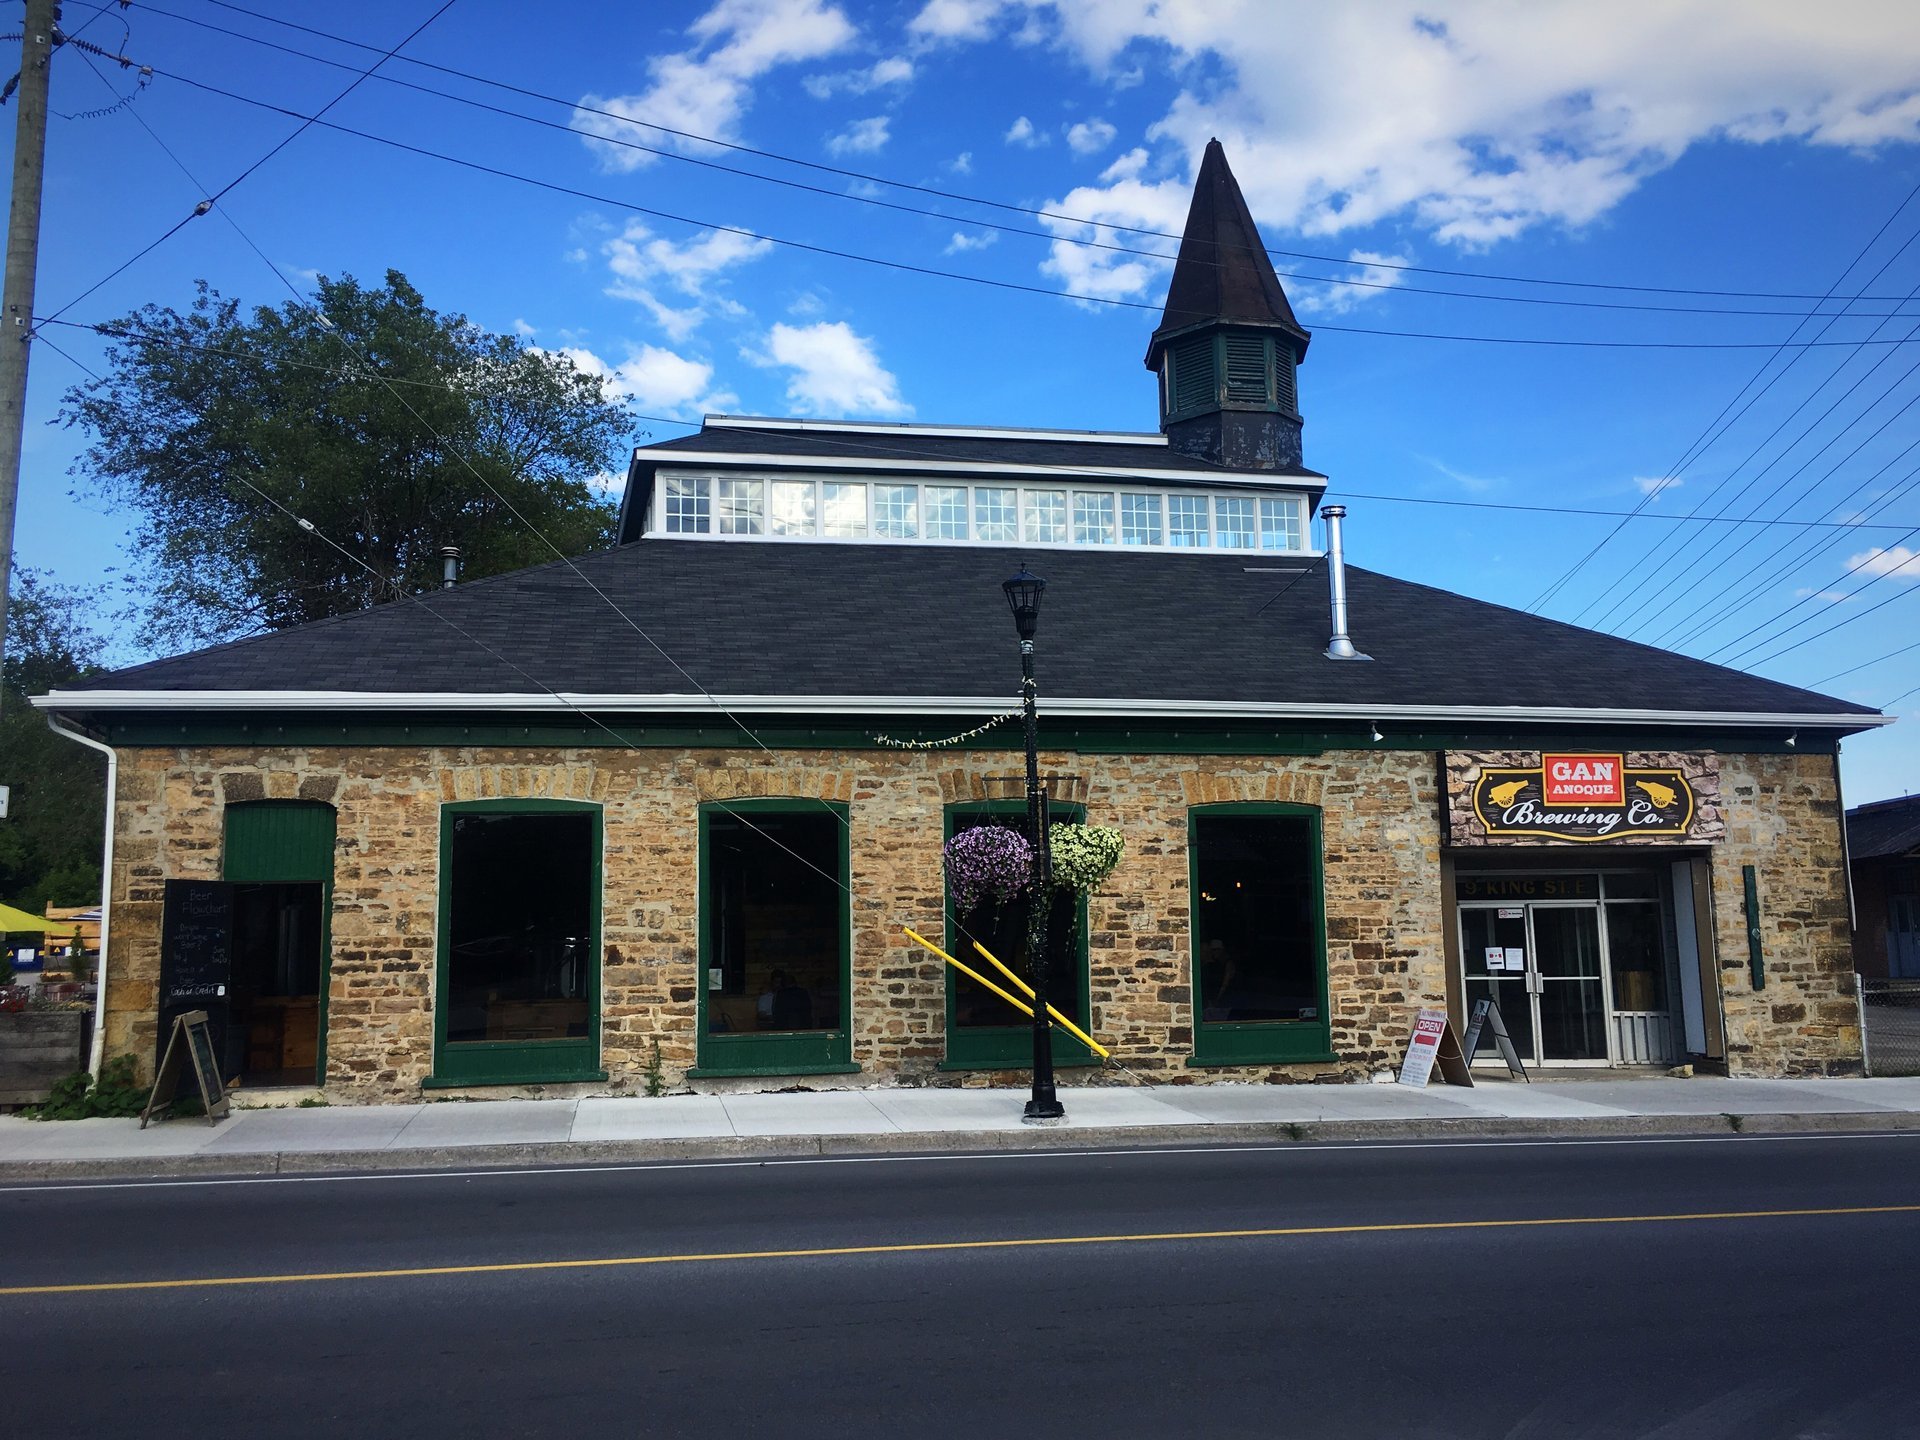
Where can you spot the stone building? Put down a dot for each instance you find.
(646, 814)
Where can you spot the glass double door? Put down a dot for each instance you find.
(1543, 965)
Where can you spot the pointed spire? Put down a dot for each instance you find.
(1223, 272)
(1228, 344)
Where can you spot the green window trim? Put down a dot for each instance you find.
(822, 1052)
(1259, 1042)
(1008, 1047)
(475, 1063)
(294, 847)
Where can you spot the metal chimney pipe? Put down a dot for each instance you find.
(1340, 647)
(449, 566)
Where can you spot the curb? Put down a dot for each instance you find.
(748, 1149)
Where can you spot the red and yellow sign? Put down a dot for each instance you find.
(1583, 780)
(1584, 797)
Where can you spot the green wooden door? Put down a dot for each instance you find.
(287, 842)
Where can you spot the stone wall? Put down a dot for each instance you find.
(1783, 818)
(1384, 905)
(1383, 899)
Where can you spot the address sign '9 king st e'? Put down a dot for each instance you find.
(1585, 796)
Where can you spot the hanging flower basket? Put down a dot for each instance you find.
(1084, 856)
(987, 861)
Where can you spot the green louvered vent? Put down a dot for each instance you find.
(1283, 379)
(1195, 385)
(1247, 370)
(279, 841)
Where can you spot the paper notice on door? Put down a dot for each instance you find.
(1496, 958)
(1516, 913)
(1516, 958)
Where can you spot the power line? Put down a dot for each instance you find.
(1864, 664)
(1820, 634)
(207, 204)
(906, 267)
(137, 337)
(868, 178)
(679, 157)
(1900, 491)
(1706, 438)
(1649, 598)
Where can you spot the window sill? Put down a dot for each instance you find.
(550, 1077)
(1089, 1063)
(771, 1069)
(1196, 1062)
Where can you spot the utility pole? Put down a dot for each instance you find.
(23, 259)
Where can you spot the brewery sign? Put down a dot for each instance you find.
(1586, 796)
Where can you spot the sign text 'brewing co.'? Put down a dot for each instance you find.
(1585, 796)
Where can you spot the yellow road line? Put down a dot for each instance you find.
(931, 1246)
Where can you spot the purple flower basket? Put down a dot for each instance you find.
(987, 861)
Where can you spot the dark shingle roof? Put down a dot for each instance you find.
(935, 448)
(1223, 271)
(817, 619)
(1888, 828)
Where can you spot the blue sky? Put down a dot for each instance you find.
(1766, 151)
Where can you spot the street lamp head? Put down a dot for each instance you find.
(1023, 598)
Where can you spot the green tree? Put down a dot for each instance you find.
(424, 442)
(50, 840)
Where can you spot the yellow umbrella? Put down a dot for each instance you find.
(12, 919)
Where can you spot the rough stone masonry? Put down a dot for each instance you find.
(1385, 909)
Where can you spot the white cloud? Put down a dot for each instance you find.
(1375, 276)
(1504, 118)
(894, 70)
(862, 137)
(1472, 484)
(1127, 167)
(1090, 137)
(641, 262)
(955, 20)
(961, 164)
(1654, 486)
(1879, 562)
(523, 329)
(1832, 597)
(706, 89)
(835, 371)
(963, 242)
(1021, 132)
(655, 379)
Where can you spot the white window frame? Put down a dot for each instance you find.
(1119, 493)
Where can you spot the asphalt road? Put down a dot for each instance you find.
(1413, 1293)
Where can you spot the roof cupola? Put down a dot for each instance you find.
(1228, 345)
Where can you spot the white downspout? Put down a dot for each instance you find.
(98, 1049)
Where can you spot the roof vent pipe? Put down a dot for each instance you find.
(449, 566)
(1340, 647)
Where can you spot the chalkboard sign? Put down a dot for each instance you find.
(188, 1043)
(196, 958)
(1486, 1013)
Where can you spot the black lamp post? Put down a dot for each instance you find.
(1023, 593)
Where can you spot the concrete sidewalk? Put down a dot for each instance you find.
(588, 1131)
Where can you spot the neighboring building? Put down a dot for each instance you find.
(545, 827)
(1883, 847)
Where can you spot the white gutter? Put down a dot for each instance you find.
(884, 427)
(1064, 707)
(759, 460)
(98, 1049)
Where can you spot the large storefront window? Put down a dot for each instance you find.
(519, 993)
(1259, 940)
(984, 1032)
(773, 938)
